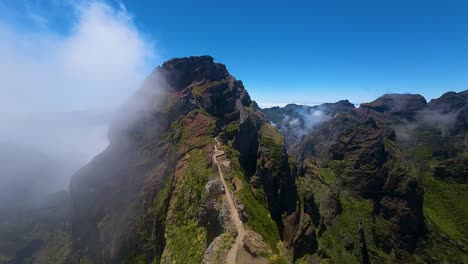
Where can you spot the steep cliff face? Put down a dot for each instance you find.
(434, 141)
(146, 198)
(374, 182)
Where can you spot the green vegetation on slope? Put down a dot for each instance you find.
(201, 89)
(233, 126)
(446, 213)
(226, 241)
(148, 234)
(273, 143)
(446, 207)
(185, 238)
(445, 204)
(345, 228)
(259, 219)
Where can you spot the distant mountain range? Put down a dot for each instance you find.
(386, 182)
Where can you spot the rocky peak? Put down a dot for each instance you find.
(205, 84)
(177, 87)
(340, 106)
(450, 101)
(181, 72)
(395, 103)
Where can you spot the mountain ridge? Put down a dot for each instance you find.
(328, 183)
(404, 146)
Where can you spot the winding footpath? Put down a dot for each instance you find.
(231, 256)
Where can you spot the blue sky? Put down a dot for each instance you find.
(297, 51)
(316, 51)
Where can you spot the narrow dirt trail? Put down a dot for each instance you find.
(231, 257)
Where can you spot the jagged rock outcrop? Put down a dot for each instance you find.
(455, 169)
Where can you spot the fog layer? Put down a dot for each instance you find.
(58, 92)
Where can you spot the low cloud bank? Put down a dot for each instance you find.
(300, 123)
(443, 123)
(58, 91)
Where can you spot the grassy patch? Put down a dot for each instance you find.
(185, 238)
(227, 239)
(346, 227)
(446, 213)
(259, 219)
(328, 175)
(274, 151)
(273, 143)
(200, 89)
(341, 168)
(233, 126)
(446, 207)
(260, 196)
(160, 202)
(277, 259)
(195, 130)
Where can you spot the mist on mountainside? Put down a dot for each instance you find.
(296, 121)
(59, 95)
(302, 125)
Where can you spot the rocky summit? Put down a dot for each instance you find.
(196, 172)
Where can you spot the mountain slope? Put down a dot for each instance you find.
(152, 195)
(385, 182)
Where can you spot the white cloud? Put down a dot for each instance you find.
(272, 104)
(105, 47)
(268, 104)
(302, 123)
(99, 64)
(48, 79)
